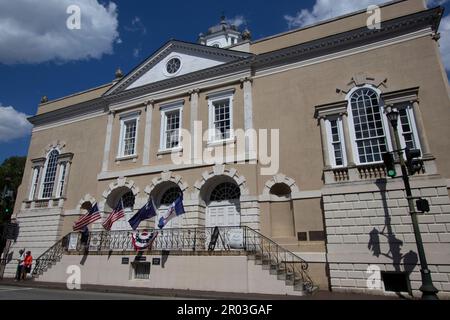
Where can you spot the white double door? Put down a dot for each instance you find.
(225, 214)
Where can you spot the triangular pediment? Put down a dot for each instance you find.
(191, 57)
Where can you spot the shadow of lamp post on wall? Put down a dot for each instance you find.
(411, 166)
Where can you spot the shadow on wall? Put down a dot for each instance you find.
(409, 259)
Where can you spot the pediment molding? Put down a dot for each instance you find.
(175, 46)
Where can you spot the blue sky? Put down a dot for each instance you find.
(40, 56)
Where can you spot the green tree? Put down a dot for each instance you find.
(11, 168)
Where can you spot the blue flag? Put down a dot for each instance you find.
(175, 209)
(146, 212)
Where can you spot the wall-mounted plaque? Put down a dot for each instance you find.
(125, 260)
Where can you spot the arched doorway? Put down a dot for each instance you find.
(281, 211)
(164, 195)
(222, 198)
(125, 195)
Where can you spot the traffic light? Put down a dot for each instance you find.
(389, 162)
(413, 163)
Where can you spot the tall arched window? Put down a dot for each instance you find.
(370, 137)
(50, 174)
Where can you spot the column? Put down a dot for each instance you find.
(149, 105)
(194, 117)
(323, 135)
(66, 179)
(347, 140)
(250, 146)
(421, 130)
(107, 149)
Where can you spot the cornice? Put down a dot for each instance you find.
(358, 37)
(409, 95)
(223, 69)
(79, 109)
(350, 39)
(165, 50)
(328, 109)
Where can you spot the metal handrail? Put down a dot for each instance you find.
(51, 256)
(239, 238)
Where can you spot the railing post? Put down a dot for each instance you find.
(195, 239)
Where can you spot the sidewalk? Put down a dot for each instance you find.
(169, 293)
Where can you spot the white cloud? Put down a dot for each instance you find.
(34, 32)
(13, 124)
(327, 9)
(237, 21)
(136, 25)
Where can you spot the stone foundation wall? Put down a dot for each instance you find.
(369, 225)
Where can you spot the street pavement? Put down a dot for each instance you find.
(35, 290)
(29, 293)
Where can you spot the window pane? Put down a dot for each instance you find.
(50, 174)
(407, 129)
(129, 137)
(222, 119)
(172, 129)
(369, 131)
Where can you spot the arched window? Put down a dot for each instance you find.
(370, 137)
(280, 190)
(50, 174)
(225, 191)
(128, 200)
(170, 195)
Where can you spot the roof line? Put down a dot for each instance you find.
(316, 24)
(75, 94)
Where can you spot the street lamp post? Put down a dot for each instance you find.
(429, 292)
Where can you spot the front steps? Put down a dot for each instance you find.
(281, 274)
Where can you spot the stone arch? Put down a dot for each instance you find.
(280, 178)
(166, 176)
(120, 183)
(57, 144)
(217, 171)
(86, 198)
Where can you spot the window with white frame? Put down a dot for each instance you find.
(171, 122)
(221, 118)
(62, 178)
(50, 174)
(407, 128)
(368, 126)
(336, 141)
(128, 135)
(34, 183)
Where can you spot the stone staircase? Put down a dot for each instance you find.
(266, 255)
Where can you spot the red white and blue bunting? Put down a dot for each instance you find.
(143, 240)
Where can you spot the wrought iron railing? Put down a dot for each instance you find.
(243, 238)
(50, 257)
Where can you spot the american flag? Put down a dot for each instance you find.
(92, 216)
(115, 215)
